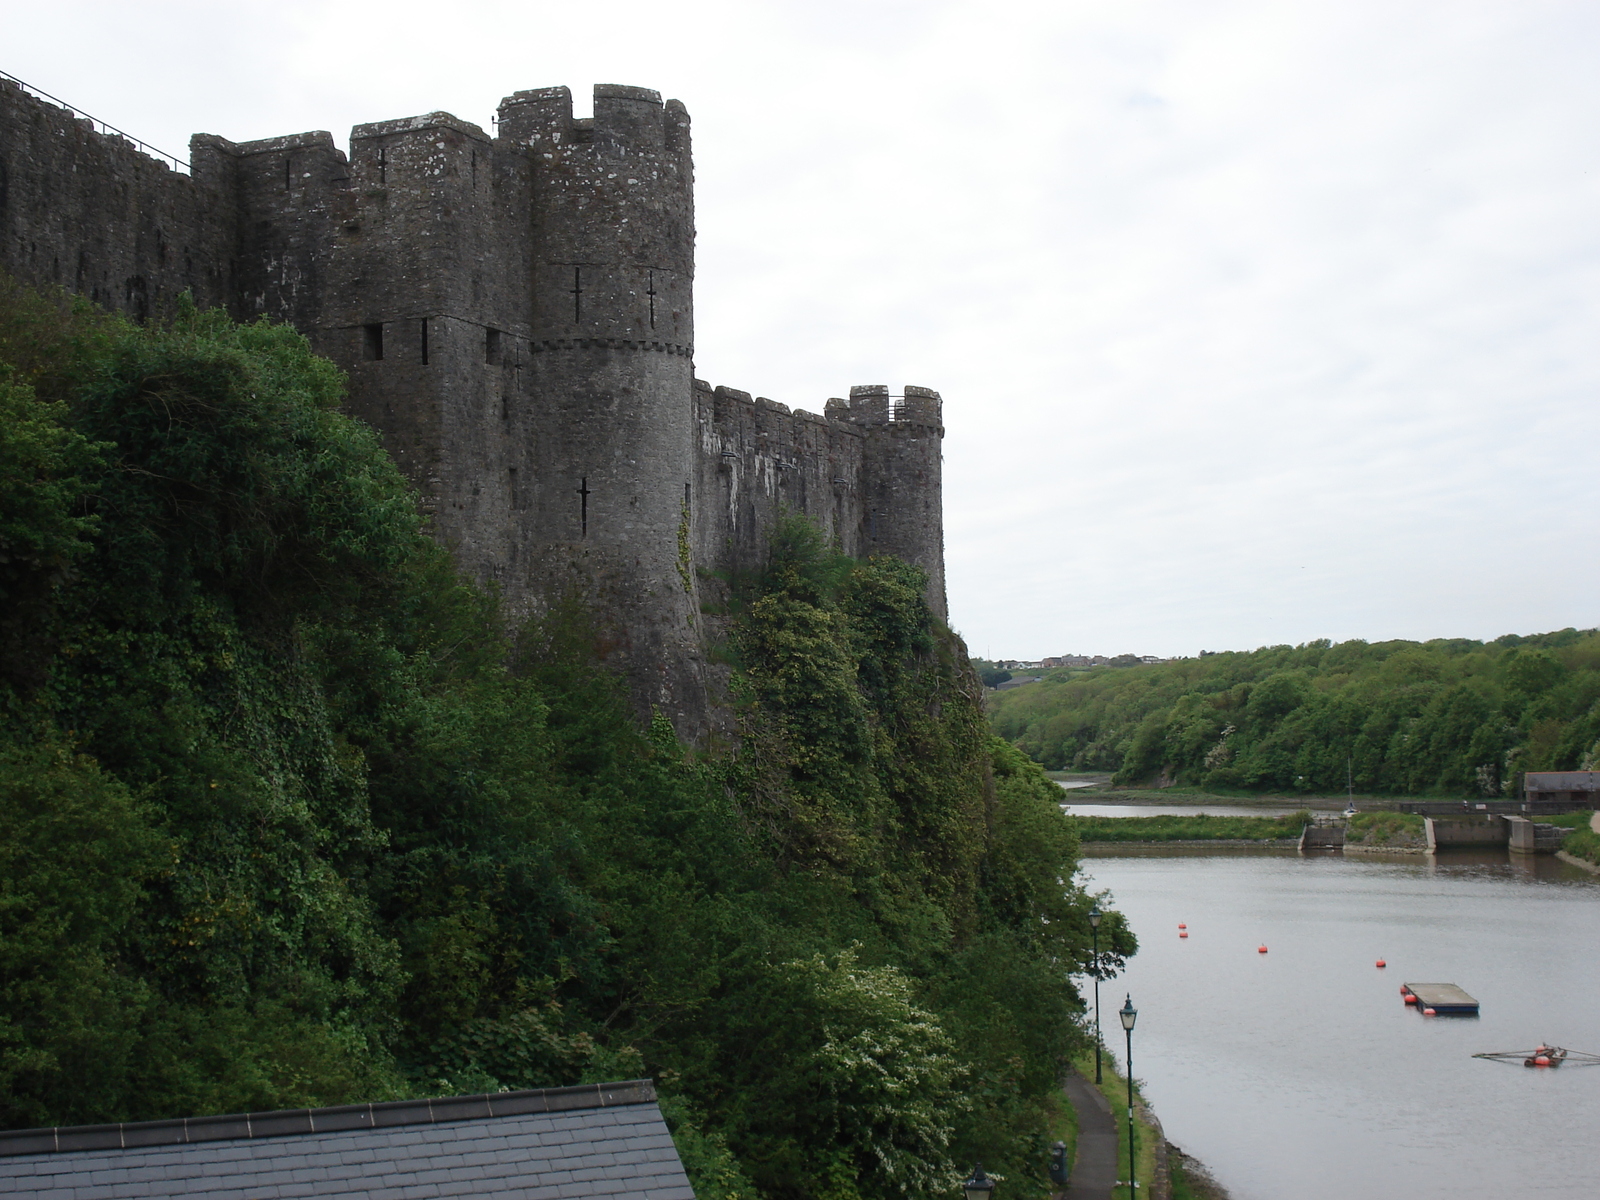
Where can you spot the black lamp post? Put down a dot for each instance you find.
(1094, 932)
(1129, 1015)
(979, 1186)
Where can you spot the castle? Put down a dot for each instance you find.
(516, 317)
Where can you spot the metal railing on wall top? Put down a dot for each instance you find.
(180, 164)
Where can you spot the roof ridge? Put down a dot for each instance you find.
(383, 1114)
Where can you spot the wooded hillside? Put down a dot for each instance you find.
(1453, 717)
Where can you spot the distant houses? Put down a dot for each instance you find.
(1079, 660)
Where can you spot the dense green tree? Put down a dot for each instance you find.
(288, 818)
(1451, 717)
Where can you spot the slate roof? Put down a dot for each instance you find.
(596, 1140)
(1562, 781)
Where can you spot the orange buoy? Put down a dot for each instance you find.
(1542, 1061)
(1261, 949)
(1411, 998)
(1381, 963)
(1404, 990)
(1183, 933)
(1428, 1012)
(1181, 925)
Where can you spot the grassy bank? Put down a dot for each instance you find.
(1399, 830)
(1202, 827)
(1582, 842)
(1101, 791)
(1190, 1178)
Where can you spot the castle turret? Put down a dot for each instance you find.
(611, 263)
(516, 319)
(902, 472)
(417, 281)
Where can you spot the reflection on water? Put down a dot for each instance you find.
(1164, 810)
(1300, 1073)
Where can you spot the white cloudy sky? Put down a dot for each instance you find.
(1256, 322)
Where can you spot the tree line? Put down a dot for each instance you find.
(290, 816)
(1452, 717)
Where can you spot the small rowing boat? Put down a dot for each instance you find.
(1543, 1056)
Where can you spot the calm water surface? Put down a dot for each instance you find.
(1299, 1073)
(1163, 810)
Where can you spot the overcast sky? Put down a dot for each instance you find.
(1255, 322)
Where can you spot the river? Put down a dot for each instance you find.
(1300, 1073)
(1175, 810)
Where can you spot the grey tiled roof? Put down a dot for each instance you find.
(592, 1141)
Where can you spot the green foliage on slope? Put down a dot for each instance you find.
(287, 818)
(1450, 717)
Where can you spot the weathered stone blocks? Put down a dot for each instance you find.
(516, 317)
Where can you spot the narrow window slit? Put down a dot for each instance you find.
(372, 342)
(491, 347)
(424, 341)
(583, 497)
(577, 293)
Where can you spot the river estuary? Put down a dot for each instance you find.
(1300, 1073)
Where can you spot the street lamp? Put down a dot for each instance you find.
(979, 1186)
(1129, 1015)
(1094, 932)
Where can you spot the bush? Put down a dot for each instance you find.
(288, 818)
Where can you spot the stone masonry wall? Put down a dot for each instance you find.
(516, 318)
(867, 471)
(89, 212)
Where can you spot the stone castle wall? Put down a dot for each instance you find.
(91, 213)
(515, 314)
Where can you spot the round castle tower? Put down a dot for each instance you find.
(610, 387)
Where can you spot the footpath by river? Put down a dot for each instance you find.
(1299, 1072)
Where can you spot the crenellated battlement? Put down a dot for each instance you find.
(626, 119)
(921, 406)
(874, 405)
(515, 315)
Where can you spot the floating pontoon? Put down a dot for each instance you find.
(1442, 998)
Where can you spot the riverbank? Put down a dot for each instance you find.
(1164, 1172)
(1365, 833)
(1083, 787)
(1581, 846)
(1191, 1178)
(1201, 828)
